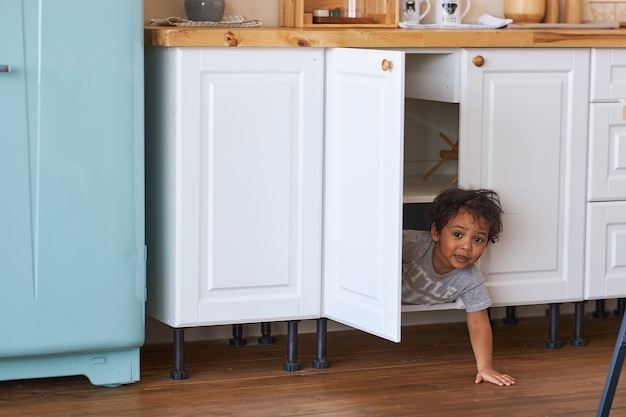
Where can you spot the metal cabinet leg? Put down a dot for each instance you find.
(179, 371)
(320, 361)
(510, 318)
(292, 347)
(600, 312)
(621, 305)
(579, 325)
(237, 339)
(266, 334)
(612, 377)
(553, 341)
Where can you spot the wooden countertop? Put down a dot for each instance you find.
(385, 38)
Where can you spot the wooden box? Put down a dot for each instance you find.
(374, 13)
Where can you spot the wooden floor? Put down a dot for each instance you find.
(429, 374)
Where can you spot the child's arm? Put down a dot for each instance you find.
(482, 344)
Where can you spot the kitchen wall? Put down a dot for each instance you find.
(267, 10)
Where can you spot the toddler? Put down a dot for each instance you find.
(439, 266)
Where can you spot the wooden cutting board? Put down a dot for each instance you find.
(586, 25)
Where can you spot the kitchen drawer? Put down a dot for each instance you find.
(607, 152)
(608, 75)
(605, 263)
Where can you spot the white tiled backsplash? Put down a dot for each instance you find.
(267, 10)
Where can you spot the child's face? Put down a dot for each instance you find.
(461, 242)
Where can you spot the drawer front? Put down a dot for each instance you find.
(607, 152)
(608, 75)
(605, 263)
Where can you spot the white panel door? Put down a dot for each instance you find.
(523, 133)
(605, 265)
(608, 75)
(251, 184)
(607, 152)
(363, 189)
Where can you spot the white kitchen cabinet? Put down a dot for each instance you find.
(523, 133)
(373, 99)
(234, 184)
(605, 263)
(234, 187)
(251, 219)
(523, 118)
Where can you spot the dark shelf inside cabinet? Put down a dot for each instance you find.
(343, 20)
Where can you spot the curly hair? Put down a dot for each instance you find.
(479, 203)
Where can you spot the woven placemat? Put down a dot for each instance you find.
(228, 21)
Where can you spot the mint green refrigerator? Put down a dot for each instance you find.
(72, 251)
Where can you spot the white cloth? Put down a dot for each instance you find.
(485, 21)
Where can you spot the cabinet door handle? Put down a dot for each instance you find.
(5, 68)
(386, 65)
(478, 61)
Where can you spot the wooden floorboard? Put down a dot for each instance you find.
(430, 373)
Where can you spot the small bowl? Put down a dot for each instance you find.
(204, 10)
(321, 13)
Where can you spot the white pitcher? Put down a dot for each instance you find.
(411, 10)
(448, 12)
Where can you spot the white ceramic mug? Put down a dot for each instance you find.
(448, 12)
(411, 10)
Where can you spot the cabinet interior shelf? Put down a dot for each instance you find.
(418, 190)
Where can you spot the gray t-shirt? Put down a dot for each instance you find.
(422, 285)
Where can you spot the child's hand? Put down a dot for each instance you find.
(494, 377)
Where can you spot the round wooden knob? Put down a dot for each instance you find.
(387, 65)
(478, 60)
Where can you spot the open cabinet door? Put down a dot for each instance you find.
(363, 189)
